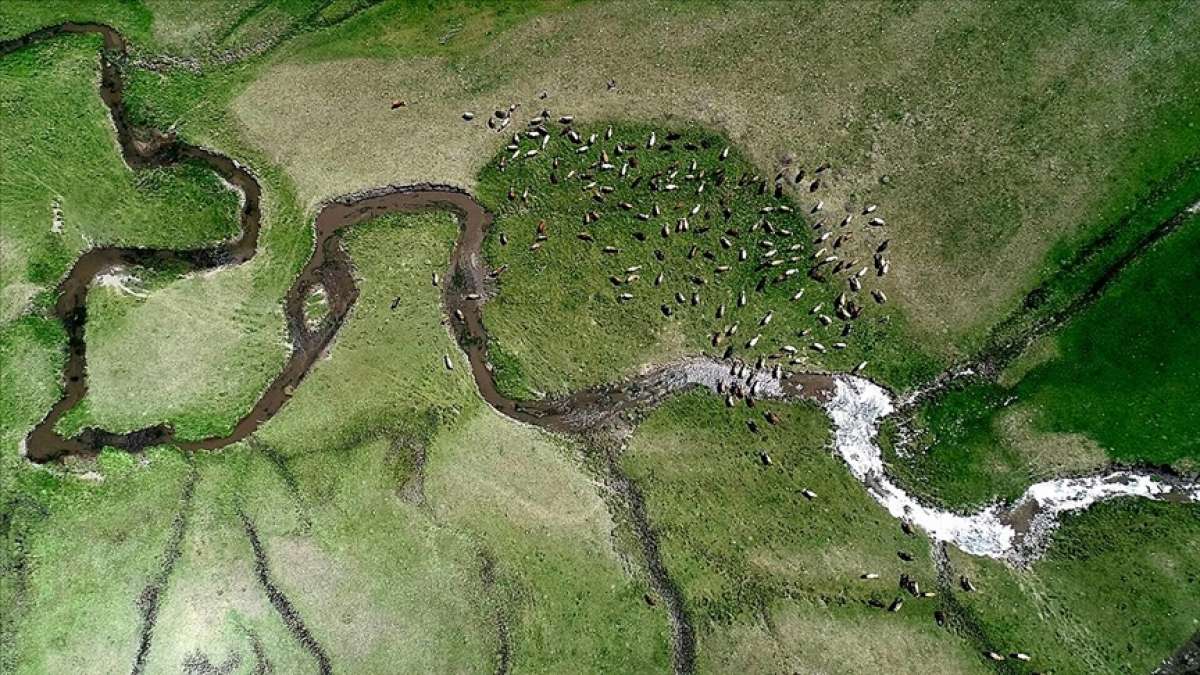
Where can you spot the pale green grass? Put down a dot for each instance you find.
(88, 561)
(32, 352)
(265, 23)
(180, 26)
(384, 366)
(529, 503)
(218, 337)
(31, 356)
(383, 587)
(1041, 123)
(738, 536)
(393, 589)
(384, 380)
(214, 602)
(195, 353)
(169, 27)
(810, 639)
(1116, 592)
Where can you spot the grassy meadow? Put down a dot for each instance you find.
(174, 344)
(58, 145)
(82, 568)
(771, 577)
(194, 31)
(492, 489)
(1116, 384)
(1116, 592)
(1044, 124)
(558, 321)
(412, 528)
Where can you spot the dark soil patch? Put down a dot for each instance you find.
(407, 454)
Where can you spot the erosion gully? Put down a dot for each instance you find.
(603, 415)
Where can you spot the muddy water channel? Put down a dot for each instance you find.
(856, 406)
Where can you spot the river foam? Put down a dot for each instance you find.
(857, 408)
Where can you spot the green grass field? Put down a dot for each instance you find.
(559, 320)
(1116, 593)
(1083, 110)
(56, 155)
(1116, 384)
(769, 575)
(192, 31)
(94, 549)
(483, 487)
(414, 529)
(176, 345)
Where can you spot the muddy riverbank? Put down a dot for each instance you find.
(855, 405)
(606, 414)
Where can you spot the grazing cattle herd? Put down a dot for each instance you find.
(716, 236)
(704, 225)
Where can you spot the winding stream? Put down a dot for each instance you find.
(1015, 532)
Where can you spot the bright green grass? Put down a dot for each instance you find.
(59, 148)
(346, 435)
(385, 365)
(31, 356)
(22, 16)
(380, 584)
(94, 549)
(1124, 376)
(214, 606)
(558, 316)
(1116, 592)
(1129, 377)
(1073, 265)
(220, 334)
(448, 29)
(738, 536)
(960, 458)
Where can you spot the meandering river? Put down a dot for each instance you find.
(1016, 532)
